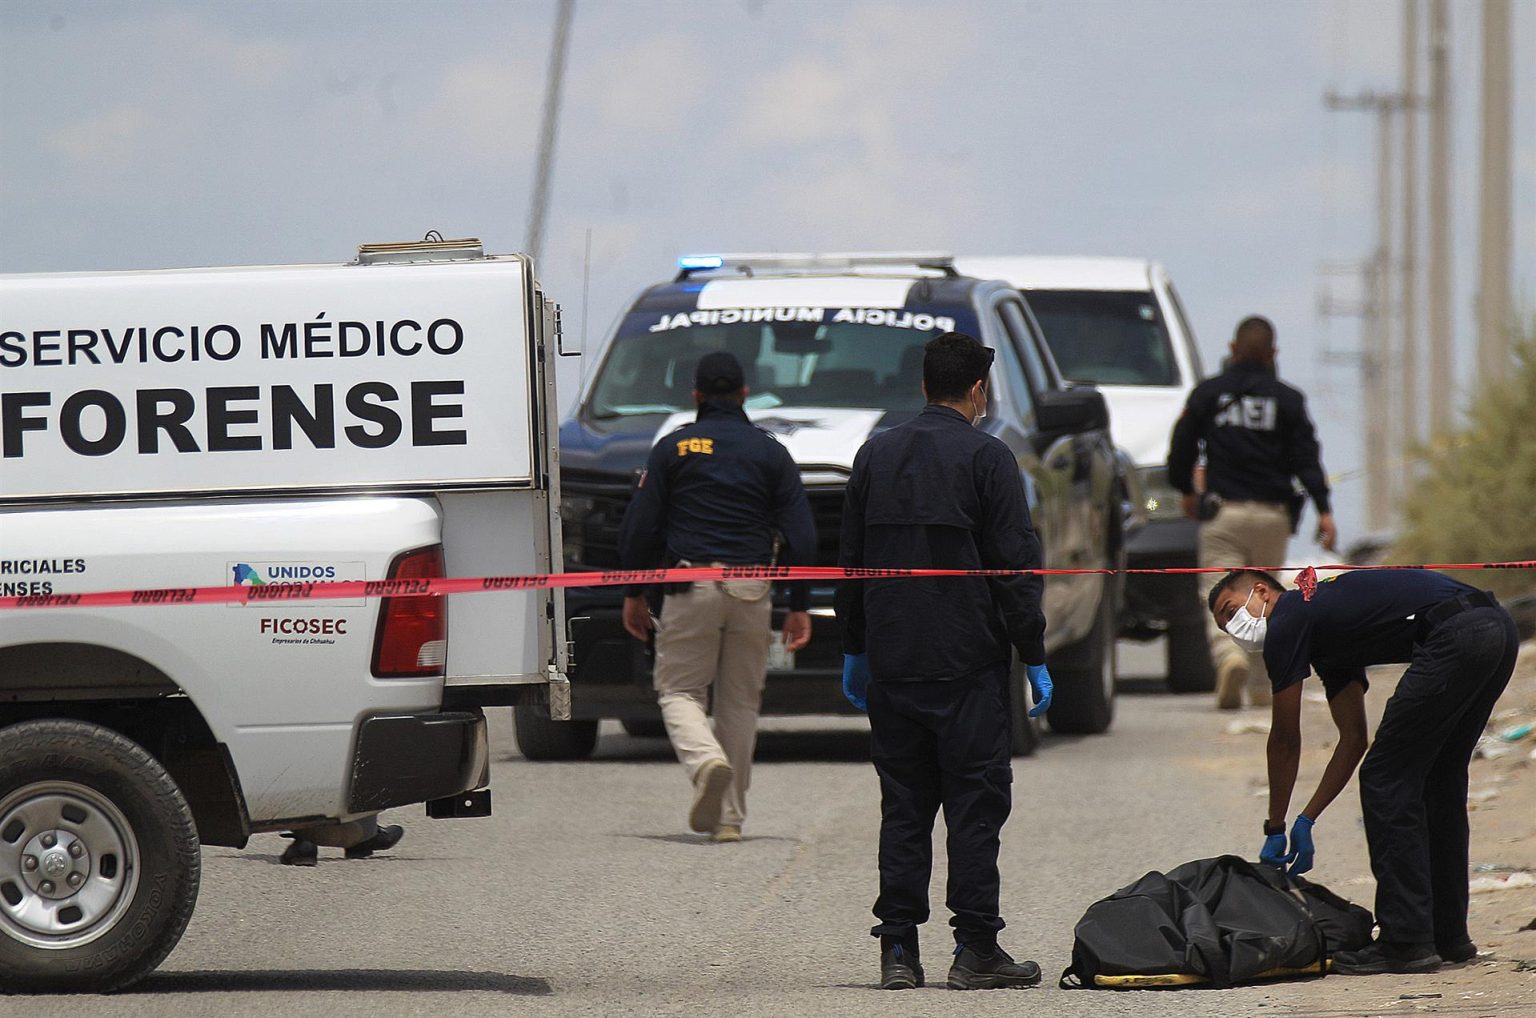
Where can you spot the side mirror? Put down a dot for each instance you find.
(1072, 410)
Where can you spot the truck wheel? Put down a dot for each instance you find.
(1084, 674)
(99, 859)
(644, 728)
(1189, 657)
(1023, 730)
(541, 738)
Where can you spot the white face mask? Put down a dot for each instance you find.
(1248, 630)
(981, 413)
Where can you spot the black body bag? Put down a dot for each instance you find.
(1212, 922)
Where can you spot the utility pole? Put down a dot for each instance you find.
(1408, 355)
(1442, 365)
(1376, 357)
(552, 85)
(1494, 317)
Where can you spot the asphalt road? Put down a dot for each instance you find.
(584, 893)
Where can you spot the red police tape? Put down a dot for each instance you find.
(611, 578)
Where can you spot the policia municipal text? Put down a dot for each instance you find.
(929, 659)
(1460, 647)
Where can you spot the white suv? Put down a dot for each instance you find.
(1117, 323)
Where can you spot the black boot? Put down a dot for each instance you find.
(1385, 956)
(900, 966)
(383, 839)
(976, 969)
(1457, 951)
(300, 853)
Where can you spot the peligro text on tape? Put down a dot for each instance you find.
(611, 578)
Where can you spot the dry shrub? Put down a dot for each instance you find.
(1477, 499)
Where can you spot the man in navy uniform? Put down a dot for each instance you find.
(1460, 648)
(930, 658)
(716, 492)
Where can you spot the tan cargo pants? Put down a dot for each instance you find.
(715, 634)
(1242, 534)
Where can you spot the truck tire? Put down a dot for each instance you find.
(1084, 676)
(541, 738)
(1023, 730)
(644, 728)
(99, 859)
(1189, 657)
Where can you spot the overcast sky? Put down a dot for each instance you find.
(160, 134)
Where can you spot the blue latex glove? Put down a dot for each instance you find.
(856, 680)
(1302, 849)
(1273, 852)
(1040, 682)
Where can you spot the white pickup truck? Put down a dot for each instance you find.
(390, 418)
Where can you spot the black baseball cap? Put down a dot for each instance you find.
(718, 374)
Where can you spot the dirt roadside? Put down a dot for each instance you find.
(1502, 805)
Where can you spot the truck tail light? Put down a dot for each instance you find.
(411, 640)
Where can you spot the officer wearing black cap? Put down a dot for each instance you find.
(930, 658)
(718, 492)
(1460, 647)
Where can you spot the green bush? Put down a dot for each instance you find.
(1476, 501)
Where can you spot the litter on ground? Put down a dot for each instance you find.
(1517, 733)
(1489, 748)
(1483, 885)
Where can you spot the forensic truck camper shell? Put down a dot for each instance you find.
(392, 418)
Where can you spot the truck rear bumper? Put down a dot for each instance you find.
(409, 758)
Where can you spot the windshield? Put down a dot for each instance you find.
(792, 356)
(1106, 337)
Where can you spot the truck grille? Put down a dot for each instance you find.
(827, 507)
(593, 514)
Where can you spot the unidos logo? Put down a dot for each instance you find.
(247, 576)
(274, 575)
(297, 572)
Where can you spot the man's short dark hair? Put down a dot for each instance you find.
(1254, 339)
(1235, 579)
(952, 363)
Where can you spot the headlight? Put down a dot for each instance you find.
(574, 510)
(1161, 499)
(575, 507)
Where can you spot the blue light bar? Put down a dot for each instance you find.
(699, 263)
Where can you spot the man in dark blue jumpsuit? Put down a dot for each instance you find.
(716, 492)
(932, 658)
(1460, 647)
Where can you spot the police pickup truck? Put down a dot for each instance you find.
(833, 349)
(1118, 324)
(270, 427)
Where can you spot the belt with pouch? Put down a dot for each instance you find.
(733, 588)
(681, 587)
(1210, 504)
(684, 586)
(1431, 619)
